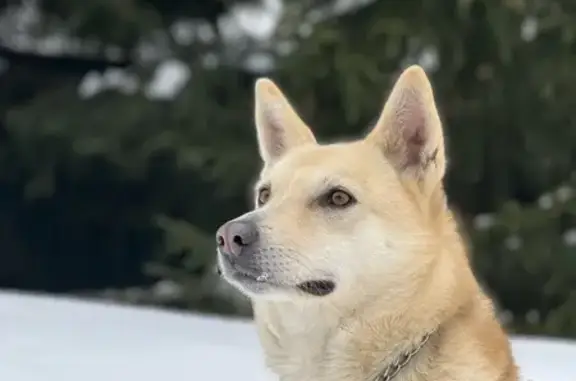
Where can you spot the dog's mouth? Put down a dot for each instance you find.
(317, 287)
(312, 287)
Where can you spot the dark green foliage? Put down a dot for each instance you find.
(121, 190)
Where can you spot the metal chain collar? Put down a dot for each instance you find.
(401, 361)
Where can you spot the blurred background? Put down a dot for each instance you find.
(127, 137)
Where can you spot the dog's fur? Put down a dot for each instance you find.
(398, 263)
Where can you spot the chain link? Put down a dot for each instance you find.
(400, 362)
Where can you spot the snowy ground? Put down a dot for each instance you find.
(53, 339)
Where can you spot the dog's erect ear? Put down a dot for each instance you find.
(278, 125)
(409, 131)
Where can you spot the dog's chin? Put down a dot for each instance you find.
(266, 287)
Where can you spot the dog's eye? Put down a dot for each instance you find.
(339, 198)
(263, 196)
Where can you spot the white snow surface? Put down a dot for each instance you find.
(58, 339)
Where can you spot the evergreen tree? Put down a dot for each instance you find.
(118, 188)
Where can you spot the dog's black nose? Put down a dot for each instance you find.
(235, 236)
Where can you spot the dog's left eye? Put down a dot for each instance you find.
(339, 198)
(263, 196)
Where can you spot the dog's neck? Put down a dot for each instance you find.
(324, 341)
(311, 343)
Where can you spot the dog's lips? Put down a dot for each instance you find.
(317, 287)
(245, 276)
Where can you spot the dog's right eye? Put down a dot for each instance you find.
(339, 198)
(263, 196)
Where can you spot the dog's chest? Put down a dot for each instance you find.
(309, 352)
(301, 361)
(297, 360)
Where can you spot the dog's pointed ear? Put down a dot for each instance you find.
(278, 125)
(409, 131)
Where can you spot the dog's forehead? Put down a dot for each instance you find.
(318, 164)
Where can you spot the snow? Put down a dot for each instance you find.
(53, 339)
(48, 338)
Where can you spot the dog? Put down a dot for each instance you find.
(352, 259)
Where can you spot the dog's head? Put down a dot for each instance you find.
(330, 218)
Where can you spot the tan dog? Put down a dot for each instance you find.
(353, 261)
